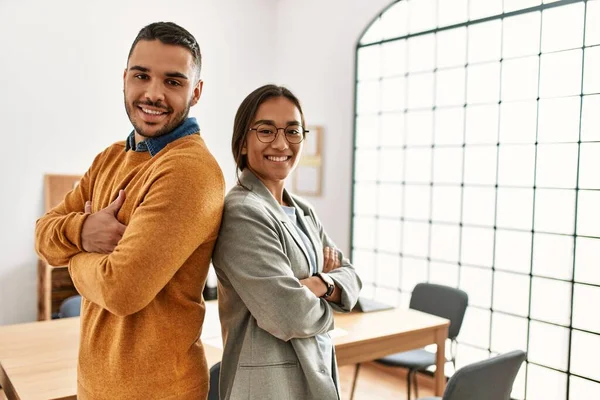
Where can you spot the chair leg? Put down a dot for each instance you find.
(416, 385)
(354, 381)
(408, 379)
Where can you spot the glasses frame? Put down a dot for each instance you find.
(304, 132)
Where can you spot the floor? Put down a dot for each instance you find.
(374, 382)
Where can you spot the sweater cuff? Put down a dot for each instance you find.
(74, 228)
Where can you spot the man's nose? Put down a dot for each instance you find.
(154, 91)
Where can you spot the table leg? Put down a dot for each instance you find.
(440, 361)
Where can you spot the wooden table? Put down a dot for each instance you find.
(38, 360)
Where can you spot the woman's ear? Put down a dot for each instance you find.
(244, 149)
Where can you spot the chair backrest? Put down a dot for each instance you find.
(442, 301)
(491, 379)
(71, 307)
(213, 391)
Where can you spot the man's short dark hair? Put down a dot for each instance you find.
(171, 33)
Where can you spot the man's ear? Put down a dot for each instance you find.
(197, 92)
(124, 76)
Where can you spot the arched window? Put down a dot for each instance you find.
(477, 165)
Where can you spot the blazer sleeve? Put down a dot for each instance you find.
(345, 277)
(250, 254)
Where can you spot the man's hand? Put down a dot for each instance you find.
(331, 259)
(102, 231)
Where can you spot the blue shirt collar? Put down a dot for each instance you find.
(156, 144)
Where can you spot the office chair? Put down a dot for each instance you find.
(439, 300)
(213, 391)
(491, 379)
(70, 307)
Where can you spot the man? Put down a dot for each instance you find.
(138, 233)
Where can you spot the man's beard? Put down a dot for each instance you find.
(168, 127)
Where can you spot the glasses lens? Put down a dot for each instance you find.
(266, 133)
(294, 133)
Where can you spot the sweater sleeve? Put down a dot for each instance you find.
(181, 212)
(249, 254)
(58, 232)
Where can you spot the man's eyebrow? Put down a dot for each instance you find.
(176, 75)
(139, 68)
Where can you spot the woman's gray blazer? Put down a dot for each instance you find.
(268, 319)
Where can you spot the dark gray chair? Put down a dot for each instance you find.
(70, 307)
(213, 391)
(439, 300)
(491, 379)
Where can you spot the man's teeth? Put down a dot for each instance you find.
(273, 158)
(151, 111)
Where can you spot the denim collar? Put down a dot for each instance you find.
(156, 144)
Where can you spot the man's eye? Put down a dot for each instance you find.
(141, 76)
(172, 82)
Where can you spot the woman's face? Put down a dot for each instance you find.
(273, 162)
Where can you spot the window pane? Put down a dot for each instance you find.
(479, 206)
(452, 12)
(586, 257)
(513, 251)
(390, 169)
(592, 28)
(373, 33)
(585, 308)
(548, 345)
(483, 83)
(588, 213)
(447, 164)
(513, 5)
(508, 333)
(395, 20)
(591, 81)
(475, 329)
(388, 235)
(364, 262)
(477, 246)
(421, 53)
(364, 232)
(552, 173)
(582, 388)
(589, 164)
(480, 165)
(389, 200)
(388, 296)
(365, 198)
(518, 122)
(515, 207)
(555, 211)
(392, 129)
(559, 120)
(367, 131)
(446, 203)
(482, 124)
(553, 256)
(393, 91)
(562, 27)
(367, 97)
(369, 63)
(444, 242)
(585, 352)
(419, 127)
(546, 384)
(590, 119)
(393, 58)
(365, 168)
(416, 202)
(485, 40)
(477, 283)
(521, 35)
(520, 79)
(449, 125)
(420, 90)
(422, 15)
(416, 239)
(551, 300)
(516, 165)
(444, 274)
(560, 74)
(388, 270)
(451, 46)
(450, 87)
(511, 293)
(480, 9)
(418, 164)
(413, 271)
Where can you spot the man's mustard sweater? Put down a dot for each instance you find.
(142, 308)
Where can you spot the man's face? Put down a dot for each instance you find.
(159, 87)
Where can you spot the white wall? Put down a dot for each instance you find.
(316, 48)
(61, 66)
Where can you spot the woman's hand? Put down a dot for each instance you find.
(331, 259)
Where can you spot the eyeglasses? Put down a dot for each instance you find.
(267, 133)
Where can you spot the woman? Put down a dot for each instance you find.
(280, 277)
